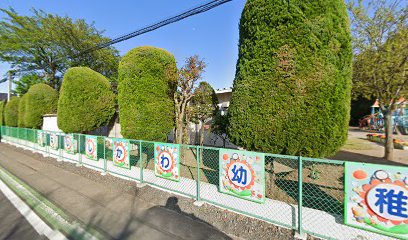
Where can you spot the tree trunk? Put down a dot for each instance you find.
(202, 134)
(389, 137)
(179, 138)
(196, 134)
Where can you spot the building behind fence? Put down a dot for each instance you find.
(303, 194)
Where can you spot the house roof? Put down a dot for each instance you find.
(401, 100)
(4, 96)
(224, 90)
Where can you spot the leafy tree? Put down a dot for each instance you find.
(203, 105)
(51, 44)
(380, 31)
(145, 93)
(187, 78)
(293, 78)
(40, 99)
(25, 82)
(2, 103)
(220, 125)
(11, 112)
(86, 101)
(22, 110)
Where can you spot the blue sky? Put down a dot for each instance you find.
(212, 35)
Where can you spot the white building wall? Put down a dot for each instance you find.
(50, 123)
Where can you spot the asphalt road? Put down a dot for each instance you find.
(13, 225)
(119, 214)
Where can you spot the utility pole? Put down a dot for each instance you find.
(9, 85)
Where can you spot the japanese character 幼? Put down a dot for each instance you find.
(240, 175)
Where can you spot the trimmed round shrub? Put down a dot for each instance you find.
(41, 99)
(11, 112)
(2, 103)
(22, 106)
(145, 93)
(293, 78)
(86, 101)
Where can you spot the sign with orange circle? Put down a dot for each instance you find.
(121, 153)
(376, 198)
(91, 147)
(54, 141)
(166, 161)
(242, 174)
(70, 144)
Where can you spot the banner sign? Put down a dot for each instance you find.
(91, 146)
(166, 161)
(70, 144)
(242, 174)
(41, 138)
(54, 141)
(121, 153)
(376, 198)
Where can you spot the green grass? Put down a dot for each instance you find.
(357, 144)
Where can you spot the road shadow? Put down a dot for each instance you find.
(169, 222)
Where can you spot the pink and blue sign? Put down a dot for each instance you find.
(70, 144)
(242, 174)
(376, 198)
(91, 147)
(166, 161)
(121, 153)
(54, 141)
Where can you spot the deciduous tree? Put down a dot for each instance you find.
(380, 31)
(51, 44)
(187, 78)
(203, 106)
(25, 82)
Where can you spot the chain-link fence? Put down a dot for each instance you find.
(304, 194)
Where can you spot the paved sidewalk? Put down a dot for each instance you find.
(120, 215)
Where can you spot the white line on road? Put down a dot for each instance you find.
(38, 224)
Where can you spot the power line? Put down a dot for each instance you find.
(186, 14)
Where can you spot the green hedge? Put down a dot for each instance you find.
(22, 107)
(11, 112)
(41, 99)
(2, 103)
(292, 86)
(145, 93)
(86, 101)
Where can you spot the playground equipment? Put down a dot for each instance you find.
(376, 122)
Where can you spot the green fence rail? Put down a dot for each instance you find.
(303, 194)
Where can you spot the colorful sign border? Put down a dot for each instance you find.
(54, 141)
(125, 144)
(357, 184)
(73, 148)
(171, 151)
(253, 162)
(94, 154)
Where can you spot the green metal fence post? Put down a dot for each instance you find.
(59, 137)
(198, 173)
(105, 167)
(79, 151)
(26, 137)
(198, 201)
(141, 161)
(35, 141)
(300, 198)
